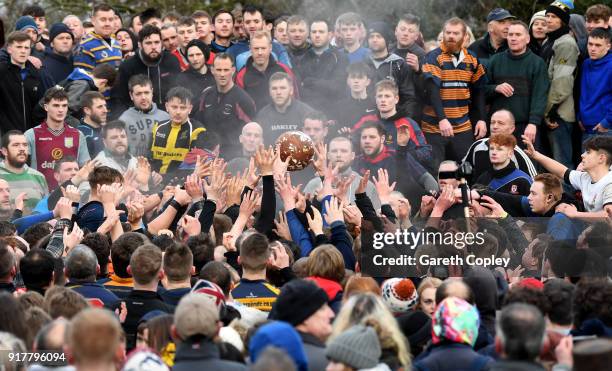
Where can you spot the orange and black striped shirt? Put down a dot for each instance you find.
(455, 76)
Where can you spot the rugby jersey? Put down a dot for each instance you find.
(257, 294)
(171, 142)
(94, 50)
(454, 76)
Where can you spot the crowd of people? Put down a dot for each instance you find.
(149, 222)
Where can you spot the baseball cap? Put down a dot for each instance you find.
(499, 14)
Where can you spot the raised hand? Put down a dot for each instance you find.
(342, 187)
(320, 158)
(363, 183)
(191, 225)
(20, 200)
(63, 208)
(143, 171)
(352, 215)
(73, 238)
(193, 186)
(279, 258)
(280, 166)
(286, 191)
(181, 196)
(282, 227)
(251, 177)
(202, 168)
(315, 222)
(249, 203)
(71, 192)
(215, 184)
(83, 173)
(427, 204)
(383, 188)
(264, 159)
(333, 208)
(234, 188)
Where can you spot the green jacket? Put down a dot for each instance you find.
(561, 72)
(526, 73)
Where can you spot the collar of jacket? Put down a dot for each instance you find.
(489, 45)
(271, 62)
(385, 153)
(520, 56)
(194, 349)
(504, 171)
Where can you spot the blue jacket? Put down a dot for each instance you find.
(596, 98)
(241, 47)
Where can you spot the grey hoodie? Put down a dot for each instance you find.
(139, 126)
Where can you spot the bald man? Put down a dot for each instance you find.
(7, 211)
(502, 122)
(250, 139)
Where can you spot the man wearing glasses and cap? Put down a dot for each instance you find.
(494, 41)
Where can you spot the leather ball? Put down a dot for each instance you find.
(297, 145)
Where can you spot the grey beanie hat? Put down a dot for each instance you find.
(357, 347)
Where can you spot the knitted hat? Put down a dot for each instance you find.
(562, 9)
(416, 326)
(383, 29)
(399, 294)
(57, 29)
(200, 44)
(25, 22)
(539, 15)
(281, 335)
(298, 300)
(455, 320)
(211, 290)
(358, 347)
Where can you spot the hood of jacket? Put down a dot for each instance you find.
(392, 57)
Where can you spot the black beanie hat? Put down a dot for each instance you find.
(200, 44)
(383, 29)
(562, 9)
(298, 300)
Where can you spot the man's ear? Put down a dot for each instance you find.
(193, 270)
(129, 270)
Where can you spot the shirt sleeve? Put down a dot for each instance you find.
(575, 178)
(29, 135)
(607, 194)
(83, 151)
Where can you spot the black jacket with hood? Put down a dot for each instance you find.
(395, 68)
(163, 75)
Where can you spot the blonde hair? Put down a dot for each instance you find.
(326, 262)
(369, 309)
(427, 283)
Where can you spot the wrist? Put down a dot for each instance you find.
(384, 200)
(176, 204)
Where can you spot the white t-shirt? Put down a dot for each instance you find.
(594, 195)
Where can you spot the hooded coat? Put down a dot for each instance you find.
(163, 75)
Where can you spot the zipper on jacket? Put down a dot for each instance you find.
(25, 123)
